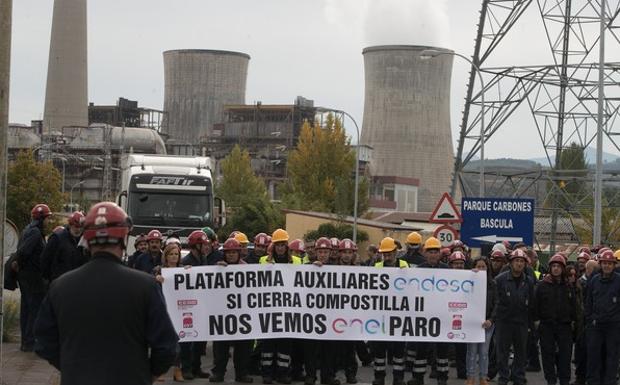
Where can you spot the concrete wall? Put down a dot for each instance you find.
(407, 117)
(198, 83)
(66, 94)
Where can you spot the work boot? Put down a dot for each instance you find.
(188, 375)
(244, 379)
(433, 373)
(216, 378)
(485, 381)
(200, 374)
(178, 375)
(470, 381)
(378, 381)
(267, 380)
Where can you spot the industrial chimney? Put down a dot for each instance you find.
(407, 118)
(197, 85)
(66, 95)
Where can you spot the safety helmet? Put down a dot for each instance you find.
(40, 211)
(584, 255)
(322, 243)
(445, 251)
(457, 256)
(457, 243)
(518, 253)
(387, 245)
(261, 240)
(172, 240)
(432, 243)
(606, 255)
(279, 235)
(297, 245)
(76, 219)
(586, 250)
(154, 235)
(347, 244)
(233, 234)
(499, 247)
(558, 258)
(414, 238)
(197, 237)
(210, 233)
(106, 223)
(498, 254)
(232, 244)
(617, 255)
(242, 238)
(335, 242)
(139, 238)
(603, 249)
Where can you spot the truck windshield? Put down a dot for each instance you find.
(169, 209)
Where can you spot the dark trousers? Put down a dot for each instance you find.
(410, 349)
(507, 335)
(602, 342)
(492, 357)
(28, 309)
(533, 357)
(363, 352)
(460, 359)
(424, 350)
(556, 347)
(241, 356)
(581, 356)
(346, 357)
(320, 354)
(191, 353)
(380, 351)
(276, 351)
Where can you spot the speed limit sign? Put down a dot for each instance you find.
(446, 235)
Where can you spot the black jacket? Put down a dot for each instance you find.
(61, 254)
(98, 322)
(190, 260)
(413, 257)
(514, 302)
(146, 263)
(131, 260)
(555, 302)
(603, 300)
(28, 256)
(427, 265)
(214, 257)
(491, 293)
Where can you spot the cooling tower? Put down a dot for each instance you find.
(407, 117)
(198, 83)
(66, 95)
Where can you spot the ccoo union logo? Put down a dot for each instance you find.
(457, 306)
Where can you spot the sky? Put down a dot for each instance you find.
(310, 48)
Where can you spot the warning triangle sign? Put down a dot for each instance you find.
(445, 211)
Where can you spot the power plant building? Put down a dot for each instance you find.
(407, 123)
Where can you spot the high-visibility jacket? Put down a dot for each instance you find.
(294, 260)
(401, 263)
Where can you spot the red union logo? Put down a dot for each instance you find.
(457, 305)
(186, 303)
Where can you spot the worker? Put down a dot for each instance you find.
(63, 252)
(413, 255)
(244, 242)
(152, 257)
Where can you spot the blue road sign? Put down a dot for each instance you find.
(492, 220)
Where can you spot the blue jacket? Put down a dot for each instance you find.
(146, 263)
(61, 254)
(514, 302)
(603, 300)
(30, 246)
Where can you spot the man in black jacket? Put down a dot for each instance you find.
(556, 310)
(152, 257)
(513, 315)
(28, 265)
(63, 252)
(99, 322)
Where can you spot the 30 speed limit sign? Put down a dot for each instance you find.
(446, 235)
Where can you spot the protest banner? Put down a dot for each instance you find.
(209, 303)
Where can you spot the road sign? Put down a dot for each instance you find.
(445, 211)
(492, 220)
(446, 235)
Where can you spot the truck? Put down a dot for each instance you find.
(173, 194)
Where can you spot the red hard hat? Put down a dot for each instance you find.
(347, 244)
(519, 253)
(154, 235)
(261, 240)
(497, 254)
(139, 238)
(583, 255)
(606, 255)
(106, 223)
(334, 241)
(40, 211)
(323, 243)
(445, 252)
(457, 256)
(77, 219)
(232, 235)
(297, 245)
(585, 250)
(197, 237)
(558, 258)
(232, 244)
(457, 243)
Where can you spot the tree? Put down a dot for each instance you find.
(338, 230)
(320, 171)
(31, 182)
(573, 168)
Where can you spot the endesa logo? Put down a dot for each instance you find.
(457, 306)
(434, 284)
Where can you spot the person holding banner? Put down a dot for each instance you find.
(432, 254)
(261, 242)
(278, 348)
(413, 255)
(380, 349)
(457, 260)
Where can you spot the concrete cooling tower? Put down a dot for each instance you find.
(407, 117)
(66, 94)
(198, 83)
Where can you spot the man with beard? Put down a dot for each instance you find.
(152, 257)
(63, 252)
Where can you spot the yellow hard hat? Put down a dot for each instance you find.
(242, 238)
(432, 243)
(617, 255)
(387, 245)
(414, 238)
(279, 236)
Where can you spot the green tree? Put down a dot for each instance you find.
(572, 169)
(338, 230)
(31, 182)
(321, 169)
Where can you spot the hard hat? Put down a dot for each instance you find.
(387, 245)
(232, 244)
(498, 254)
(139, 238)
(233, 234)
(279, 235)
(335, 241)
(297, 245)
(606, 255)
(457, 243)
(197, 237)
(617, 255)
(584, 255)
(210, 233)
(106, 223)
(322, 243)
(432, 243)
(76, 219)
(499, 247)
(457, 256)
(586, 250)
(242, 238)
(414, 238)
(518, 253)
(40, 211)
(507, 246)
(347, 244)
(154, 235)
(173, 240)
(261, 240)
(558, 258)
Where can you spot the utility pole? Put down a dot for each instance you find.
(598, 183)
(6, 13)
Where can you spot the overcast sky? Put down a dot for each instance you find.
(297, 47)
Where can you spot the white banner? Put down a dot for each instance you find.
(210, 303)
